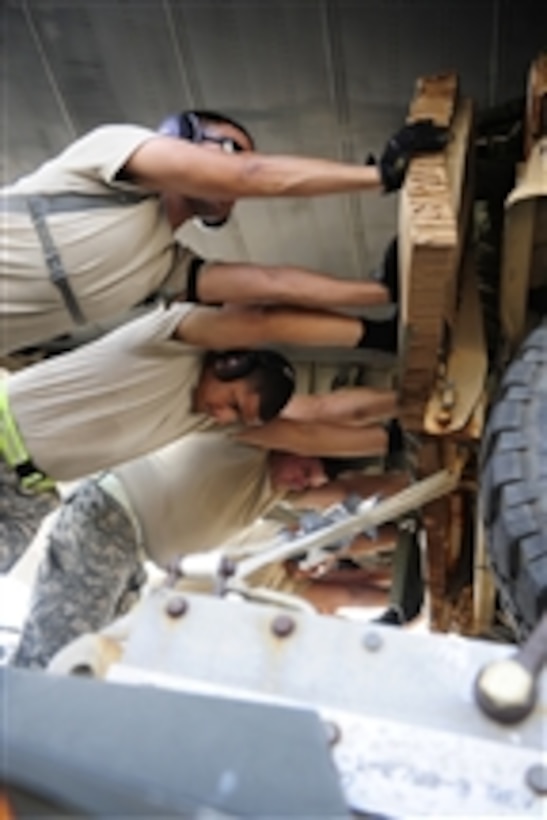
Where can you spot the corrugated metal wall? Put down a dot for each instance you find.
(324, 77)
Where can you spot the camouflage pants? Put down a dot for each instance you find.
(92, 561)
(21, 513)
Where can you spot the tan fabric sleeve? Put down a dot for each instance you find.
(158, 326)
(111, 146)
(90, 162)
(175, 285)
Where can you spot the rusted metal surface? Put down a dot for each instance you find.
(436, 521)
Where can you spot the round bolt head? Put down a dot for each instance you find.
(506, 691)
(334, 733)
(283, 626)
(83, 670)
(176, 607)
(536, 778)
(227, 567)
(174, 573)
(372, 641)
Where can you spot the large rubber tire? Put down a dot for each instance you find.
(514, 485)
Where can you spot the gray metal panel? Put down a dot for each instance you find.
(115, 751)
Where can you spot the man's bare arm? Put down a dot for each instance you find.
(348, 406)
(231, 327)
(317, 439)
(179, 166)
(385, 485)
(263, 284)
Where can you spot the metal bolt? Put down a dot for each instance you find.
(84, 670)
(536, 778)
(227, 567)
(283, 626)
(334, 733)
(174, 573)
(506, 690)
(176, 607)
(372, 641)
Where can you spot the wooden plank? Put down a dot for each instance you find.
(484, 588)
(445, 525)
(461, 176)
(524, 260)
(524, 242)
(536, 103)
(434, 97)
(436, 520)
(451, 404)
(433, 218)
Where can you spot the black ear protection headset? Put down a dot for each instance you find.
(274, 380)
(187, 126)
(230, 365)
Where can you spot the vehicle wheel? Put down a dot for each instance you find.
(514, 484)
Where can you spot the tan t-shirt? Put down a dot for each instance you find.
(112, 400)
(114, 256)
(196, 493)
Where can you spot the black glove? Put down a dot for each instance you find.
(422, 137)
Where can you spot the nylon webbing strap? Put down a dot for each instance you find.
(69, 202)
(13, 450)
(52, 258)
(39, 206)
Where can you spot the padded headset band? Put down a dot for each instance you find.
(230, 365)
(181, 126)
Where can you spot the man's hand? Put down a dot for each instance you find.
(421, 137)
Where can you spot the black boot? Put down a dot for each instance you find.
(396, 447)
(382, 336)
(407, 586)
(388, 272)
(391, 616)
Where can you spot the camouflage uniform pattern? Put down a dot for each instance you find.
(92, 563)
(21, 513)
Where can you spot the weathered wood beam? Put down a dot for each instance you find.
(464, 375)
(524, 260)
(536, 103)
(433, 217)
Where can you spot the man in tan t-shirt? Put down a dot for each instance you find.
(91, 233)
(191, 496)
(139, 387)
(148, 383)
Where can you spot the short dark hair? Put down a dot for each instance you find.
(216, 117)
(271, 375)
(334, 467)
(274, 380)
